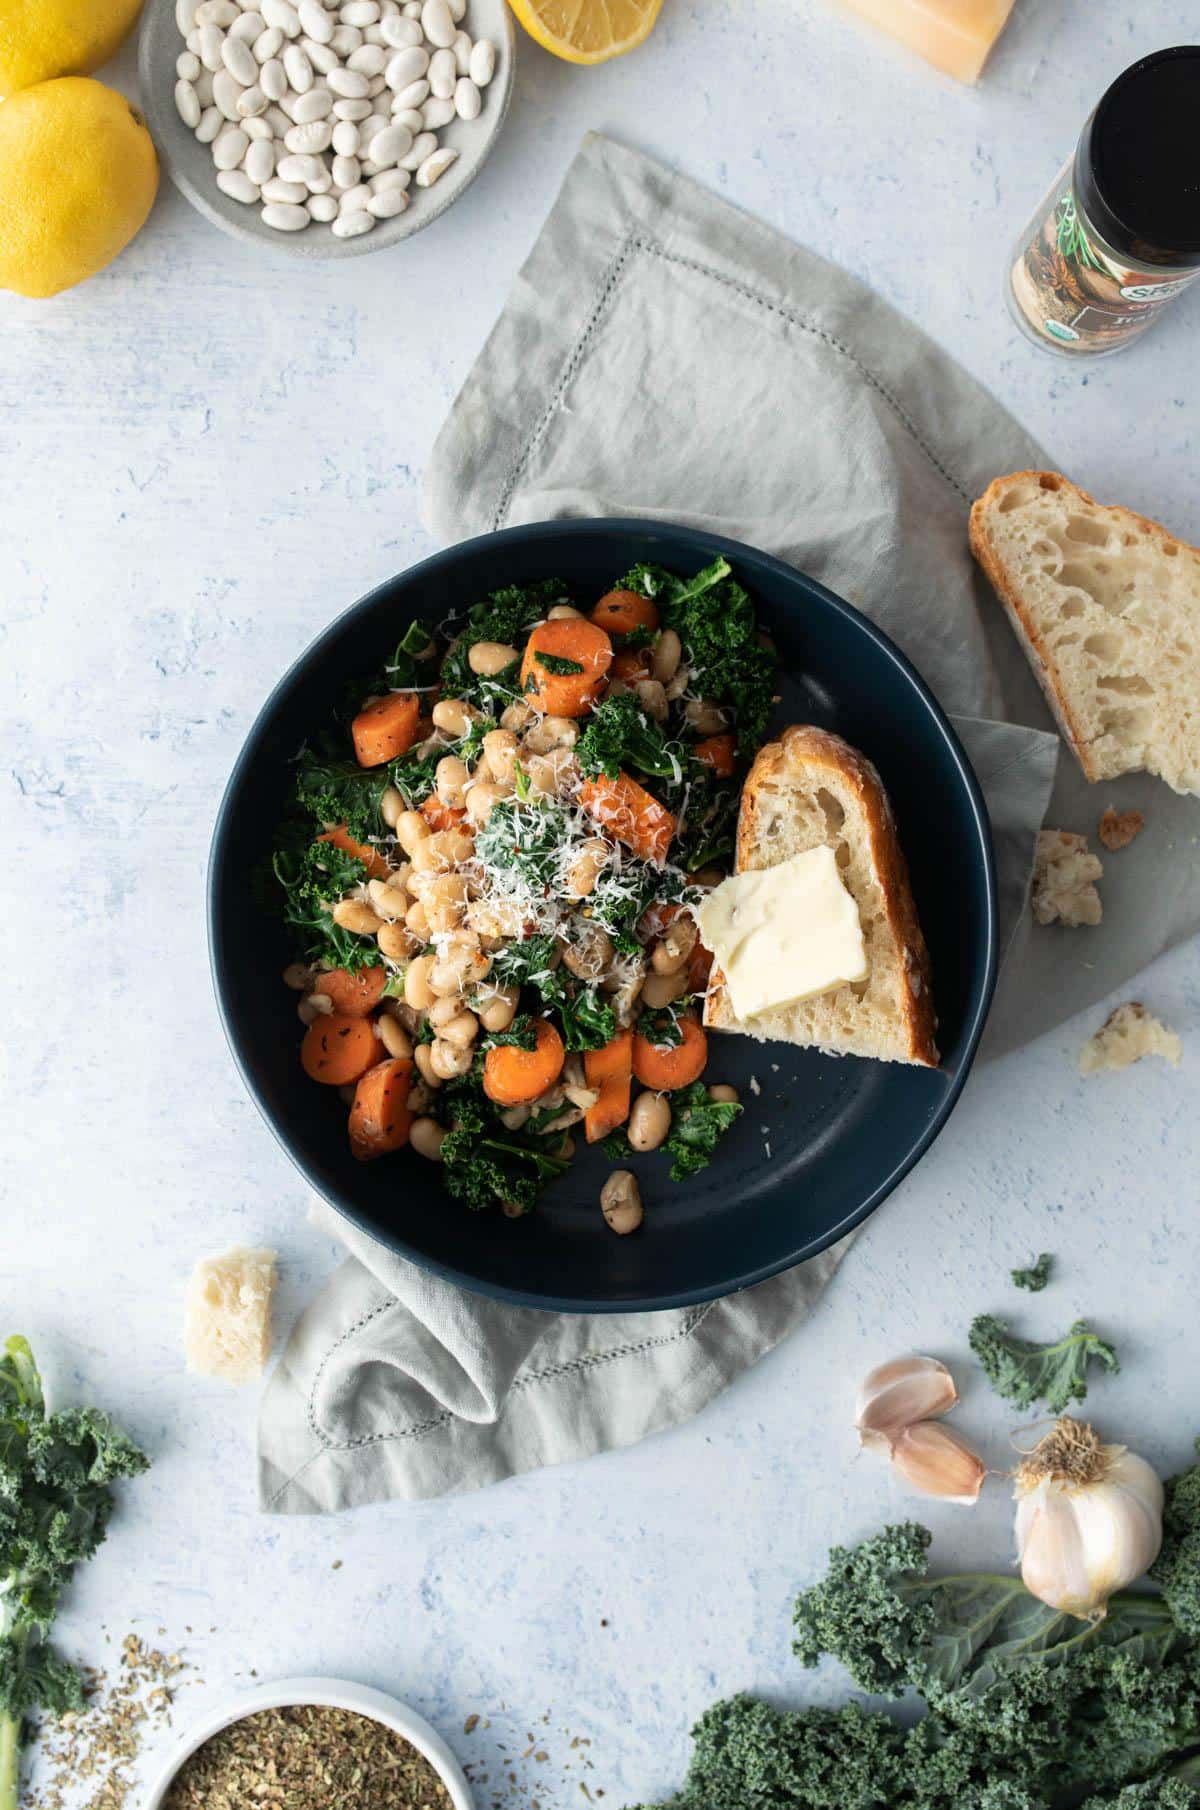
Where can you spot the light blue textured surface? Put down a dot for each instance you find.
(203, 455)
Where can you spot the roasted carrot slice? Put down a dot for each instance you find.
(666, 1069)
(573, 643)
(698, 969)
(337, 1049)
(377, 868)
(353, 995)
(386, 728)
(620, 612)
(717, 752)
(379, 1117)
(628, 812)
(441, 816)
(630, 664)
(610, 1070)
(513, 1076)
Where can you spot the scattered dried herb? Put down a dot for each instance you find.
(89, 1755)
(307, 1757)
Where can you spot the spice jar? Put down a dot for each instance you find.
(1118, 236)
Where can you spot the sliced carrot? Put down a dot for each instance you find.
(578, 641)
(353, 995)
(698, 969)
(666, 1069)
(630, 814)
(379, 1116)
(630, 664)
(717, 752)
(513, 1076)
(377, 868)
(337, 1049)
(441, 816)
(386, 728)
(620, 612)
(610, 1071)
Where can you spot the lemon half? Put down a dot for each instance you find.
(41, 39)
(588, 31)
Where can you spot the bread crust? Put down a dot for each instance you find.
(1036, 651)
(806, 750)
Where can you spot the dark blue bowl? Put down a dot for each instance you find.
(821, 1142)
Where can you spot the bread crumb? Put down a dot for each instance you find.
(228, 1320)
(1064, 875)
(1127, 1035)
(754, 1087)
(1118, 828)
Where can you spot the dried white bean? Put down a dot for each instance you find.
(216, 12)
(282, 15)
(278, 120)
(347, 84)
(298, 65)
(227, 92)
(303, 168)
(293, 193)
(316, 104)
(185, 15)
(259, 161)
(458, 10)
(483, 62)
(211, 40)
(387, 204)
(204, 82)
(251, 102)
(461, 51)
(401, 33)
(437, 23)
(248, 28)
(412, 9)
(315, 22)
(390, 145)
(238, 58)
(347, 173)
(268, 46)
(323, 208)
(370, 129)
(435, 167)
(443, 73)
(355, 200)
(345, 138)
(369, 60)
(359, 12)
(283, 218)
(229, 147)
(314, 137)
(258, 128)
(211, 122)
(376, 85)
(345, 39)
(423, 146)
(405, 67)
(320, 56)
(238, 186)
(273, 80)
(468, 102)
(373, 34)
(350, 226)
(388, 180)
(187, 66)
(407, 99)
(408, 116)
(435, 114)
(187, 104)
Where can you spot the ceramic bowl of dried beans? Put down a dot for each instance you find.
(307, 1743)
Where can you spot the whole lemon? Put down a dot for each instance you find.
(41, 39)
(78, 176)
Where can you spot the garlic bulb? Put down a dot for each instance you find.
(1089, 1519)
(897, 1395)
(937, 1462)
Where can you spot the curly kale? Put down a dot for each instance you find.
(714, 618)
(483, 1164)
(620, 737)
(586, 1019)
(521, 1034)
(414, 774)
(1036, 1276)
(1177, 1567)
(1025, 1372)
(56, 1500)
(314, 877)
(329, 790)
(697, 1126)
(507, 617)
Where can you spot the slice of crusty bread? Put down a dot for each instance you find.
(1107, 607)
(811, 788)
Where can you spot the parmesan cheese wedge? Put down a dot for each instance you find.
(228, 1326)
(954, 35)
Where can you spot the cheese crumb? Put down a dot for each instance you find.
(228, 1319)
(1127, 1035)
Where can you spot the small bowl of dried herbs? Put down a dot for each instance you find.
(308, 1743)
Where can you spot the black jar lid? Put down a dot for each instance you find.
(1137, 175)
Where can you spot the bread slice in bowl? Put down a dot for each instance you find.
(1107, 607)
(810, 788)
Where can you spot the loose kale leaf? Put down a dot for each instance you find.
(697, 1126)
(616, 1147)
(311, 877)
(1037, 1275)
(329, 791)
(620, 736)
(714, 618)
(414, 774)
(506, 616)
(1025, 1372)
(1178, 1789)
(558, 664)
(589, 1022)
(482, 1163)
(1177, 1567)
(521, 1034)
(518, 963)
(409, 666)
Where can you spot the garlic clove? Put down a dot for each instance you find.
(896, 1395)
(938, 1463)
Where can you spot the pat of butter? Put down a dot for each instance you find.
(781, 934)
(954, 35)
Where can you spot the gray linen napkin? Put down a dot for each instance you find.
(664, 355)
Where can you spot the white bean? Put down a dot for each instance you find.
(188, 66)
(259, 161)
(185, 16)
(373, 35)
(390, 145)
(238, 186)
(283, 218)
(248, 27)
(298, 64)
(323, 208)
(345, 138)
(291, 193)
(408, 116)
(415, 95)
(281, 14)
(423, 146)
(435, 167)
(458, 10)
(315, 21)
(462, 48)
(311, 138)
(229, 147)
(211, 40)
(483, 62)
(389, 180)
(304, 167)
(216, 12)
(258, 128)
(268, 45)
(251, 102)
(347, 84)
(347, 173)
(406, 67)
(316, 104)
(437, 23)
(345, 39)
(321, 56)
(352, 110)
(272, 79)
(349, 226)
(359, 12)
(370, 60)
(435, 114)
(443, 73)
(227, 92)
(187, 104)
(277, 119)
(211, 122)
(369, 129)
(468, 101)
(355, 200)
(388, 203)
(401, 33)
(204, 89)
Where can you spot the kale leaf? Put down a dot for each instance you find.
(714, 618)
(414, 774)
(1177, 1567)
(312, 877)
(507, 617)
(56, 1500)
(621, 737)
(1036, 1276)
(558, 664)
(330, 791)
(589, 1022)
(482, 1163)
(521, 1034)
(697, 1126)
(1025, 1372)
